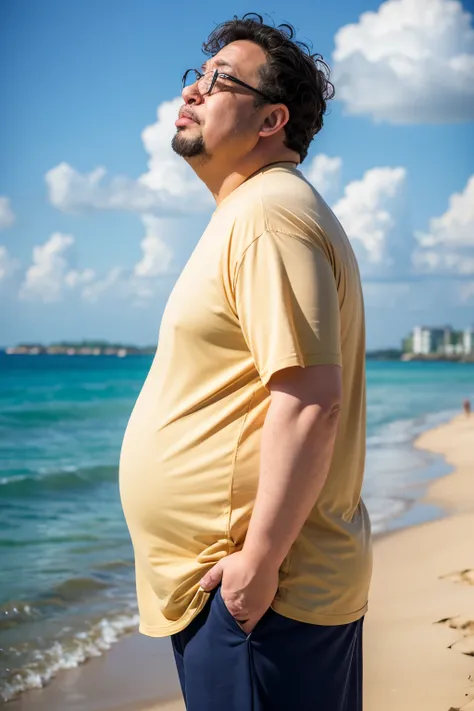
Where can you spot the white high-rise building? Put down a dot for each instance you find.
(468, 340)
(421, 343)
(429, 340)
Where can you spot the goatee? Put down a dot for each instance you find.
(188, 147)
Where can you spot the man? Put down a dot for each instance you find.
(242, 464)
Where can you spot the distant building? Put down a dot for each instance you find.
(468, 340)
(428, 340)
(439, 341)
(420, 343)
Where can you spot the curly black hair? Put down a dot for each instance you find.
(291, 76)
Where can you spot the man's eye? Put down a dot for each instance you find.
(223, 83)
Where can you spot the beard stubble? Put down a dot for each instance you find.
(188, 147)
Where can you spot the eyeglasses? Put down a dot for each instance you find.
(206, 82)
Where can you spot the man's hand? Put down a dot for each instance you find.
(247, 589)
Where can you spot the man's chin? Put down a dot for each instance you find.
(187, 146)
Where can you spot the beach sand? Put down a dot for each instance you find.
(420, 627)
(419, 631)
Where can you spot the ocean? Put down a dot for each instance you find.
(67, 580)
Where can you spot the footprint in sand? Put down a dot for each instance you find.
(465, 577)
(465, 627)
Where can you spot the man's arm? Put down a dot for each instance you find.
(296, 450)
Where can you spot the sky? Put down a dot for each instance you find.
(98, 216)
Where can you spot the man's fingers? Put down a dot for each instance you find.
(212, 578)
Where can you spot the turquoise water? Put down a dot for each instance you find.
(67, 588)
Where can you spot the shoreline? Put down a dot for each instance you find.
(419, 640)
(407, 661)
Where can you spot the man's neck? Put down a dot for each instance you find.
(223, 183)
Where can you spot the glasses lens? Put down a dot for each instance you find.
(193, 75)
(190, 77)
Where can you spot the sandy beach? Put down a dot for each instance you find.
(420, 628)
(419, 634)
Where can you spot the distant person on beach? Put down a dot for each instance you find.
(242, 464)
(467, 407)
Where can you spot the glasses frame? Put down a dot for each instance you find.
(222, 75)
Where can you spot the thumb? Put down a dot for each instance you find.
(212, 578)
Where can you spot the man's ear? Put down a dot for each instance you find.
(276, 118)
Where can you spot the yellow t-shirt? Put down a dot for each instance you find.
(273, 282)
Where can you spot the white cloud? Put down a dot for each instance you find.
(94, 290)
(49, 275)
(367, 212)
(75, 278)
(429, 261)
(8, 266)
(325, 174)
(448, 246)
(168, 187)
(412, 61)
(71, 191)
(124, 284)
(455, 228)
(141, 282)
(7, 216)
(157, 255)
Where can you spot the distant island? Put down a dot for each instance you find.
(83, 348)
(432, 350)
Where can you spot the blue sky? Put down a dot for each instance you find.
(88, 253)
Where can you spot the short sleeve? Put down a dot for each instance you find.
(287, 304)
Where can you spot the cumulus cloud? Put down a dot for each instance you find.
(325, 174)
(75, 278)
(157, 255)
(367, 211)
(455, 228)
(448, 246)
(7, 216)
(412, 61)
(168, 187)
(71, 191)
(115, 278)
(50, 274)
(139, 283)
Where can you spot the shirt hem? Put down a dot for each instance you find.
(314, 618)
(302, 360)
(173, 627)
(324, 620)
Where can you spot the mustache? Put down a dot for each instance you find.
(185, 111)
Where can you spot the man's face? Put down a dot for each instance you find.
(225, 124)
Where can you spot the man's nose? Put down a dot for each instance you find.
(191, 94)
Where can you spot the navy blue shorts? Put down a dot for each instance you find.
(283, 665)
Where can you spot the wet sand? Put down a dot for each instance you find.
(419, 645)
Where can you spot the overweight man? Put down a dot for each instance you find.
(242, 463)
